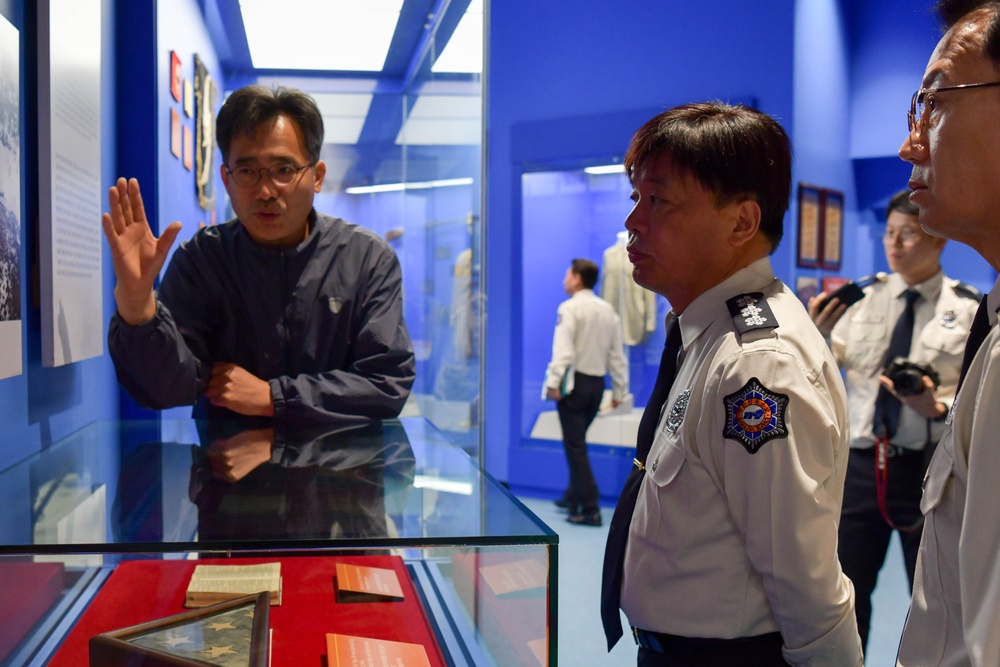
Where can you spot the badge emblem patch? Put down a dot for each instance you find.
(334, 304)
(754, 415)
(677, 410)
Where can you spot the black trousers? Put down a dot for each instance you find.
(763, 651)
(864, 534)
(576, 413)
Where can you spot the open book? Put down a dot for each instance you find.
(211, 584)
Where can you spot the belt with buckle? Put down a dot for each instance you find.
(894, 451)
(646, 639)
(664, 643)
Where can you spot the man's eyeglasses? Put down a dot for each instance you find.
(904, 236)
(922, 104)
(280, 175)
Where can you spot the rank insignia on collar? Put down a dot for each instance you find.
(755, 415)
(677, 411)
(750, 311)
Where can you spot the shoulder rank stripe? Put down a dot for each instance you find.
(968, 291)
(750, 311)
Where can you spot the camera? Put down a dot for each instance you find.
(907, 376)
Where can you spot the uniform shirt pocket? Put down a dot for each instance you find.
(944, 341)
(666, 462)
(866, 341)
(867, 327)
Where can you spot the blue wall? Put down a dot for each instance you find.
(890, 43)
(562, 72)
(837, 74)
(561, 86)
(47, 403)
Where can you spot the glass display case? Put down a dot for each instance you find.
(103, 529)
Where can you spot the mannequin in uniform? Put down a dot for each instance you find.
(860, 337)
(586, 346)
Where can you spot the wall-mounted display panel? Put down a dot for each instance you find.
(70, 187)
(10, 201)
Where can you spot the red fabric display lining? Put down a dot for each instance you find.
(142, 591)
(27, 591)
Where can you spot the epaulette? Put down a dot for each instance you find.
(968, 291)
(879, 277)
(750, 312)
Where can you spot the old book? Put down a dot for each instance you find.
(360, 583)
(211, 584)
(349, 651)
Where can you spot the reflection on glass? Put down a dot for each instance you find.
(267, 483)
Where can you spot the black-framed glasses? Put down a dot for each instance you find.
(921, 104)
(280, 175)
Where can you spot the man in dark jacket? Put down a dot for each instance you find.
(280, 312)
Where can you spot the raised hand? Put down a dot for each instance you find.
(136, 254)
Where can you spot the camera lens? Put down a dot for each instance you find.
(908, 382)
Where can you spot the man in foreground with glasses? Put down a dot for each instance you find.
(282, 312)
(919, 314)
(954, 147)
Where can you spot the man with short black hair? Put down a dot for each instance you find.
(953, 145)
(282, 312)
(918, 313)
(586, 346)
(730, 556)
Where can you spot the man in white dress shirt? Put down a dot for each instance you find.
(586, 346)
(894, 433)
(953, 145)
(731, 552)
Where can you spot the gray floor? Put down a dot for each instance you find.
(581, 554)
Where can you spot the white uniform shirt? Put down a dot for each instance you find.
(954, 615)
(942, 318)
(588, 338)
(725, 543)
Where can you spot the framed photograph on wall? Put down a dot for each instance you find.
(175, 75)
(833, 229)
(810, 226)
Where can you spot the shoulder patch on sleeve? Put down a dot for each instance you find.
(750, 311)
(968, 291)
(754, 415)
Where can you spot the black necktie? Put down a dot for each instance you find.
(977, 334)
(887, 406)
(614, 552)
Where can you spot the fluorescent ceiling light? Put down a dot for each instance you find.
(343, 115)
(442, 120)
(416, 185)
(320, 34)
(464, 51)
(606, 169)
